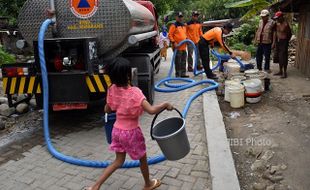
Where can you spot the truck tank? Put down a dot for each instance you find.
(112, 22)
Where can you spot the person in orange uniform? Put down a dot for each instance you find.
(177, 33)
(208, 39)
(194, 31)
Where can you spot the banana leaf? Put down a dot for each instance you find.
(246, 3)
(238, 4)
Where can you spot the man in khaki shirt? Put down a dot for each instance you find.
(265, 38)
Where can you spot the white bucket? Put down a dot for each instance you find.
(231, 68)
(236, 96)
(261, 75)
(253, 90)
(229, 83)
(251, 72)
(238, 77)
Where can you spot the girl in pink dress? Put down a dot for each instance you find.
(129, 103)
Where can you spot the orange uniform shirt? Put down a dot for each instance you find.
(194, 31)
(216, 35)
(177, 33)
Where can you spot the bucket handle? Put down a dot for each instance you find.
(153, 122)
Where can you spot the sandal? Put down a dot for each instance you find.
(87, 188)
(156, 184)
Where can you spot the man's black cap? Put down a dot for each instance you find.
(195, 13)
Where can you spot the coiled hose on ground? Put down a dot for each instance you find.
(169, 87)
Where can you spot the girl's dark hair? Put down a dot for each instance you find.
(119, 71)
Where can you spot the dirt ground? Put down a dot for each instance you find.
(270, 140)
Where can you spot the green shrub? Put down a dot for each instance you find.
(241, 46)
(243, 36)
(245, 33)
(6, 58)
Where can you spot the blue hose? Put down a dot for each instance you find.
(170, 88)
(224, 57)
(166, 86)
(188, 83)
(51, 149)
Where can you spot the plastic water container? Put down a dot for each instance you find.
(253, 90)
(229, 83)
(236, 96)
(109, 120)
(238, 76)
(251, 72)
(261, 75)
(231, 68)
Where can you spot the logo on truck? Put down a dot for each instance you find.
(83, 8)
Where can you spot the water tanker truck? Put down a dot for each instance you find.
(86, 35)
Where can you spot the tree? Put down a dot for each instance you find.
(254, 6)
(164, 7)
(211, 9)
(11, 9)
(215, 9)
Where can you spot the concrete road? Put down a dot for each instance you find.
(27, 164)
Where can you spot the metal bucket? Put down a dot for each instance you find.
(109, 120)
(171, 137)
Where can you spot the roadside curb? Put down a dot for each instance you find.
(222, 167)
